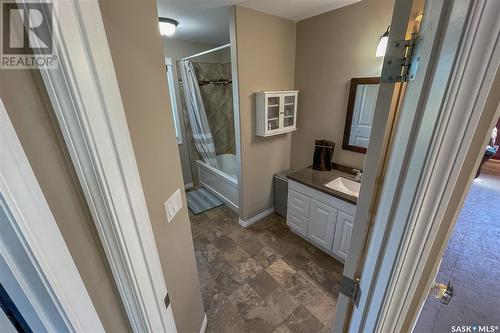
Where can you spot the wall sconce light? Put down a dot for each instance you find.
(167, 26)
(382, 44)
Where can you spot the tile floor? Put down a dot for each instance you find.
(472, 263)
(263, 278)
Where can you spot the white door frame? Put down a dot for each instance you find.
(35, 263)
(453, 116)
(436, 133)
(86, 99)
(388, 102)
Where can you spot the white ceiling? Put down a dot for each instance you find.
(207, 20)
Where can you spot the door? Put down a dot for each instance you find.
(297, 222)
(321, 225)
(40, 287)
(343, 232)
(289, 110)
(273, 113)
(416, 177)
(362, 119)
(389, 98)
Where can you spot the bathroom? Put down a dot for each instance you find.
(259, 268)
(211, 64)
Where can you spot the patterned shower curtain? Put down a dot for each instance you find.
(202, 136)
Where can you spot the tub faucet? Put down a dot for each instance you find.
(359, 175)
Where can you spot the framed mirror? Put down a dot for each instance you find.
(360, 109)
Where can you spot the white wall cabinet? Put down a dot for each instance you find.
(322, 219)
(276, 112)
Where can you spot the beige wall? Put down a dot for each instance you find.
(266, 61)
(29, 109)
(177, 49)
(332, 48)
(137, 52)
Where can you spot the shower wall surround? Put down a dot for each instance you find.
(218, 102)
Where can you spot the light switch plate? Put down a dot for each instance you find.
(173, 205)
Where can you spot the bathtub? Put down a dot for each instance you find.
(222, 182)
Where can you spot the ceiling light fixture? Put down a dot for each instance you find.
(167, 26)
(382, 44)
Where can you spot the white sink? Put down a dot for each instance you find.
(344, 185)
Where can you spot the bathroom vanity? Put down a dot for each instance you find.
(323, 215)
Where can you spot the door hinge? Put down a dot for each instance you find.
(351, 289)
(401, 61)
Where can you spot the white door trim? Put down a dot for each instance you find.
(33, 234)
(86, 99)
(437, 123)
(439, 154)
(388, 101)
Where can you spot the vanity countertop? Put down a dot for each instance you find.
(317, 180)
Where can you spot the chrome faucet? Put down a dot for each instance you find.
(359, 175)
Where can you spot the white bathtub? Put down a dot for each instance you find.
(222, 182)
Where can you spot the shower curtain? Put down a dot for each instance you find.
(202, 135)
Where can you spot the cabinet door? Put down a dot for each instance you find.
(297, 222)
(321, 225)
(343, 232)
(289, 110)
(298, 203)
(273, 111)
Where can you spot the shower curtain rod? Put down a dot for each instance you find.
(207, 51)
(204, 82)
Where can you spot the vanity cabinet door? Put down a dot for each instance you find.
(299, 203)
(321, 227)
(297, 222)
(343, 232)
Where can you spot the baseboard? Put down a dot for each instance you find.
(256, 218)
(188, 186)
(204, 324)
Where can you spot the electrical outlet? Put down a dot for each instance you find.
(173, 205)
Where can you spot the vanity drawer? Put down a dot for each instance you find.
(298, 203)
(297, 223)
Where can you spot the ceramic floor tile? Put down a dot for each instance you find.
(263, 284)
(266, 256)
(274, 310)
(245, 298)
(257, 325)
(263, 278)
(223, 318)
(225, 243)
(302, 321)
(280, 271)
(282, 329)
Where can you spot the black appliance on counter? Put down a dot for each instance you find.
(323, 154)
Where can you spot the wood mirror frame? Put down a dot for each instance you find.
(350, 110)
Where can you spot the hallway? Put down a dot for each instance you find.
(472, 263)
(263, 278)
